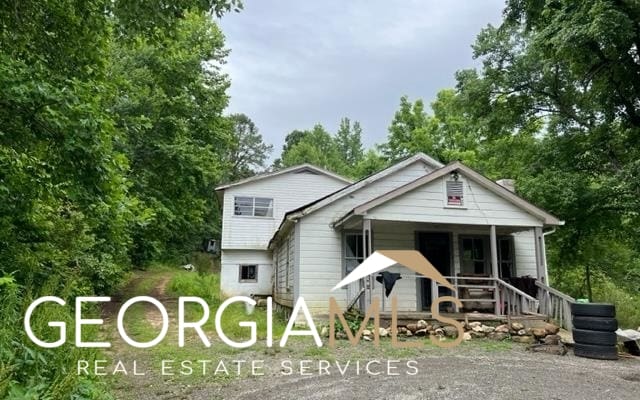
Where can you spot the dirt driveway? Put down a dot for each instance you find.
(460, 374)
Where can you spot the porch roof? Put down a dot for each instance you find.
(361, 210)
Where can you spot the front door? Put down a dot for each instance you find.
(436, 247)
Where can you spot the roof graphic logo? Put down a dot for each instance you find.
(383, 259)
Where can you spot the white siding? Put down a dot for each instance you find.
(397, 237)
(428, 204)
(289, 192)
(525, 252)
(230, 272)
(321, 246)
(285, 264)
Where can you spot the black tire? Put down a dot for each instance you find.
(599, 338)
(594, 351)
(593, 310)
(595, 323)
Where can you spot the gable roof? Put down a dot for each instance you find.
(471, 174)
(331, 197)
(297, 168)
(340, 193)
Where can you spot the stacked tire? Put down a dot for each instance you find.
(594, 326)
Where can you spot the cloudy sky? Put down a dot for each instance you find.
(295, 63)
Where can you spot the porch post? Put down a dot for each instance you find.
(540, 256)
(494, 268)
(366, 245)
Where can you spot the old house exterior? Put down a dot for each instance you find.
(476, 232)
(252, 211)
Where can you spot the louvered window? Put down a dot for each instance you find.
(455, 195)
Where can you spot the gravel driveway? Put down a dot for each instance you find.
(478, 374)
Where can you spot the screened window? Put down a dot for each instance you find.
(248, 273)
(505, 256)
(353, 251)
(455, 195)
(476, 253)
(253, 206)
(473, 255)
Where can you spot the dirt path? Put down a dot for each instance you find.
(143, 283)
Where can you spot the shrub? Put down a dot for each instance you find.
(31, 372)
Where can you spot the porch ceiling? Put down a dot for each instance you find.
(355, 223)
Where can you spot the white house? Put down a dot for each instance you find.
(252, 211)
(298, 232)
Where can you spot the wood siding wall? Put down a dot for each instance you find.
(289, 192)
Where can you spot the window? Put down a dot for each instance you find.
(248, 273)
(353, 251)
(473, 257)
(253, 206)
(476, 252)
(455, 195)
(505, 257)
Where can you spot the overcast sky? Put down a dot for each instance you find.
(295, 63)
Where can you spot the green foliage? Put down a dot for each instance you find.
(111, 137)
(446, 135)
(556, 100)
(206, 286)
(341, 153)
(349, 142)
(316, 147)
(176, 136)
(371, 162)
(248, 152)
(30, 372)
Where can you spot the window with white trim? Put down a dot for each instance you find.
(253, 206)
(353, 251)
(248, 273)
(455, 193)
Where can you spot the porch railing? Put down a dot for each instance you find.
(505, 299)
(515, 301)
(555, 304)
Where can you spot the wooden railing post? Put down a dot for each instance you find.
(434, 291)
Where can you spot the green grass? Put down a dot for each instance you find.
(186, 283)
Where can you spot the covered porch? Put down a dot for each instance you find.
(493, 268)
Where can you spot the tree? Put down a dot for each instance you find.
(559, 85)
(177, 138)
(248, 152)
(371, 162)
(316, 147)
(79, 182)
(349, 142)
(447, 135)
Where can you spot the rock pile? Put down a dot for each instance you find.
(546, 334)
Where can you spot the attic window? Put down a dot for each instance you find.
(455, 193)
